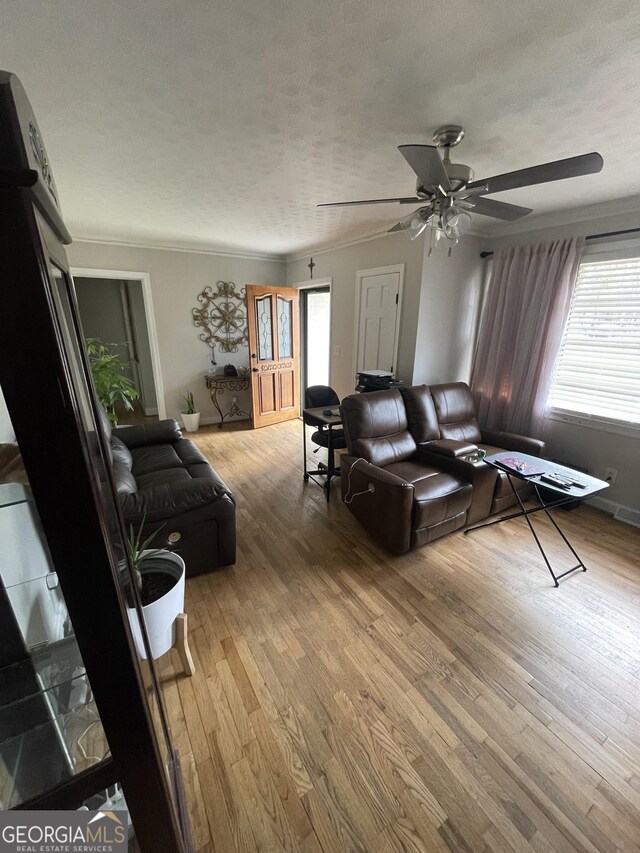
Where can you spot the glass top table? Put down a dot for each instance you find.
(570, 485)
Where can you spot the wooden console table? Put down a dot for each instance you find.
(218, 385)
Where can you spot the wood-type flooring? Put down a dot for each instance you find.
(449, 699)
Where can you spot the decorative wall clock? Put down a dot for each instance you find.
(222, 314)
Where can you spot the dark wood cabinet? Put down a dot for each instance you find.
(73, 692)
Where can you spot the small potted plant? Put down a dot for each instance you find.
(159, 576)
(191, 415)
(112, 384)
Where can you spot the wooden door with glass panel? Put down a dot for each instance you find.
(272, 315)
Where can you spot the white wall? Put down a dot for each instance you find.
(584, 446)
(450, 297)
(176, 279)
(341, 265)
(438, 309)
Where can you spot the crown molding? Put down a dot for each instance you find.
(321, 249)
(569, 216)
(191, 250)
(539, 222)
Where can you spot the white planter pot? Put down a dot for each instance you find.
(160, 616)
(191, 422)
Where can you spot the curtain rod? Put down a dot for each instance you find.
(588, 237)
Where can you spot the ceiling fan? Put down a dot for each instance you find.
(448, 193)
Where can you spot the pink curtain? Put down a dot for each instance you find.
(526, 308)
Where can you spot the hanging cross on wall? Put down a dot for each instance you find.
(311, 265)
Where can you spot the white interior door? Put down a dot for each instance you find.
(379, 296)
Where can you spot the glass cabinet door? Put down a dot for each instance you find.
(81, 716)
(50, 728)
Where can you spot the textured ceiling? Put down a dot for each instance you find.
(223, 124)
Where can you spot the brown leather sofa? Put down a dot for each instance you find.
(403, 501)
(410, 446)
(163, 478)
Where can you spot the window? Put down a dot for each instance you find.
(597, 371)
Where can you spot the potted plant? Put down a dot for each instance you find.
(159, 576)
(191, 416)
(111, 382)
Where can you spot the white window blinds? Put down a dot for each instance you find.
(598, 367)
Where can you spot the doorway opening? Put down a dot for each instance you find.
(116, 308)
(315, 312)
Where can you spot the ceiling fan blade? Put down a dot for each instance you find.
(496, 209)
(426, 163)
(412, 200)
(399, 226)
(467, 191)
(572, 167)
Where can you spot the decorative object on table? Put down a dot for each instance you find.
(524, 468)
(219, 384)
(243, 371)
(230, 370)
(191, 415)
(212, 360)
(222, 315)
(159, 576)
(109, 378)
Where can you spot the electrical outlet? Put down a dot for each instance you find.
(610, 475)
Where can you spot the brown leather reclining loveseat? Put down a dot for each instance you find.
(406, 462)
(163, 479)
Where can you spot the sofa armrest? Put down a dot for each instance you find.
(167, 500)
(381, 501)
(460, 466)
(482, 477)
(159, 432)
(512, 441)
(450, 447)
(356, 466)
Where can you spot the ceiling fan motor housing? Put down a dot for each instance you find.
(459, 175)
(448, 135)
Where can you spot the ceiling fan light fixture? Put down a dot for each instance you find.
(416, 222)
(454, 222)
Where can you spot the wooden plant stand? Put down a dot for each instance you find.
(182, 644)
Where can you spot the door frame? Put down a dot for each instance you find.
(360, 274)
(254, 292)
(145, 279)
(312, 284)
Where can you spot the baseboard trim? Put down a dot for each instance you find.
(215, 419)
(619, 511)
